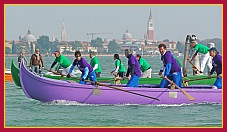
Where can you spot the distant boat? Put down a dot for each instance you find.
(15, 74)
(8, 76)
(47, 90)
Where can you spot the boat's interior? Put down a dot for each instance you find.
(157, 86)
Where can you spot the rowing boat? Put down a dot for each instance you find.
(47, 90)
(15, 74)
(156, 80)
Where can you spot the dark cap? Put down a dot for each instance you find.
(56, 52)
(92, 52)
(213, 49)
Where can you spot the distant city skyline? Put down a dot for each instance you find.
(171, 22)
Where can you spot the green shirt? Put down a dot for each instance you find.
(62, 60)
(121, 66)
(201, 48)
(94, 61)
(178, 61)
(144, 64)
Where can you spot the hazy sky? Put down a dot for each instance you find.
(170, 21)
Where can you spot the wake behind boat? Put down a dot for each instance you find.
(47, 90)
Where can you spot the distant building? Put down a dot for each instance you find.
(53, 38)
(93, 49)
(29, 37)
(63, 33)
(141, 46)
(127, 37)
(65, 48)
(26, 44)
(128, 42)
(150, 29)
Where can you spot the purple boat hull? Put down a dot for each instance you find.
(47, 90)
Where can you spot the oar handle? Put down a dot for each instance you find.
(194, 66)
(55, 72)
(190, 80)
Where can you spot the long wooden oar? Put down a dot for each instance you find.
(196, 69)
(57, 73)
(185, 93)
(116, 88)
(190, 80)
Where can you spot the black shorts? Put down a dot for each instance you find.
(121, 74)
(97, 74)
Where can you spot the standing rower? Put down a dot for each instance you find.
(133, 72)
(172, 70)
(95, 64)
(217, 67)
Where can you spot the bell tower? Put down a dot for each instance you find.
(150, 28)
(63, 33)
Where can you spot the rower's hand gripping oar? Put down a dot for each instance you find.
(194, 67)
(57, 73)
(116, 88)
(185, 93)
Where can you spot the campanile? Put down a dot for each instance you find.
(150, 28)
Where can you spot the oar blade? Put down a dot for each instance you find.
(188, 96)
(184, 92)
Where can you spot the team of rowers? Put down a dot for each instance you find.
(138, 67)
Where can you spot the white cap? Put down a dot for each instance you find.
(193, 38)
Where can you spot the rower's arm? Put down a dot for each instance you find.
(95, 67)
(132, 69)
(212, 71)
(53, 64)
(167, 69)
(72, 67)
(86, 70)
(193, 57)
(116, 69)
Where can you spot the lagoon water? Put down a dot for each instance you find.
(21, 111)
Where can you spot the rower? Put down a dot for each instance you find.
(172, 69)
(133, 72)
(84, 67)
(95, 64)
(119, 71)
(144, 66)
(200, 48)
(63, 62)
(217, 67)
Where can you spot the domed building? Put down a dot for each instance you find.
(128, 42)
(127, 36)
(27, 43)
(29, 37)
